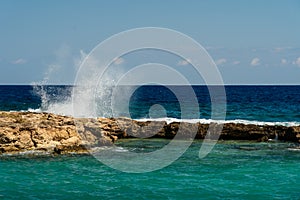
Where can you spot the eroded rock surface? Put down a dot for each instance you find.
(45, 132)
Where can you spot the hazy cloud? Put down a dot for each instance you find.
(19, 61)
(63, 52)
(221, 61)
(255, 62)
(183, 62)
(297, 62)
(214, 48)
(281, 49)
(119, 61)
(283, 61)
(236, 62)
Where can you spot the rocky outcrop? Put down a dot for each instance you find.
(44, 132)
(55, 134)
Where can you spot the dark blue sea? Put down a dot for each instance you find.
(271, 171)
(251, 103)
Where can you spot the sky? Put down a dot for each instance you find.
(252, 42)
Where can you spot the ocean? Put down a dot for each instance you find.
(246, 104)
(270, 171)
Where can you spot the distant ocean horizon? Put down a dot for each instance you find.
(245, 103)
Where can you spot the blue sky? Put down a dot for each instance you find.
(252, 42)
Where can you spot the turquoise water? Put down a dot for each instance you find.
(271, 171)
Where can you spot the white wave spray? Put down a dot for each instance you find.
(55, 96)
(58, 99)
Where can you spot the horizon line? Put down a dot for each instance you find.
(242, 84)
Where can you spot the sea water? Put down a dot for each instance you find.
(258, 171)
(228, 172)
(244, 103)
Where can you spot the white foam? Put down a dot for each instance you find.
(58, 109)
(38, 110)
(208, 121)
(65, 109)
(294, 149)
(120, 149)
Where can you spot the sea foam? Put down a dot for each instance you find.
(208, 121)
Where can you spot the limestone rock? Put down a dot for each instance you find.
(27, 131)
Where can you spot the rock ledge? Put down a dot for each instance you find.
(55, 134)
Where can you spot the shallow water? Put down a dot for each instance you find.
(270, 171)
